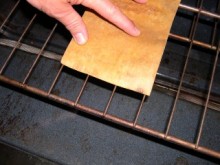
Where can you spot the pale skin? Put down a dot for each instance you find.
(62, 11)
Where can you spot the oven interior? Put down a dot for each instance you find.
(68, 117)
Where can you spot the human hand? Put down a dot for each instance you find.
(62, 10)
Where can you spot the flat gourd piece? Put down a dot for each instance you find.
(118, 58)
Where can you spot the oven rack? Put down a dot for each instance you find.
(208, 101)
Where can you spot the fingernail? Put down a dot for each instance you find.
(137, 31)
(80, 38)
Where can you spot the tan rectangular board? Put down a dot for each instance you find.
(115, 57)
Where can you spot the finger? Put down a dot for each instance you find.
(64, 13)
(112, 13)
(36, 4)
(74, 23)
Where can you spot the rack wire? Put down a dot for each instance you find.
(178, 90)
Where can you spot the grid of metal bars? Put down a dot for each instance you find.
(179, 92)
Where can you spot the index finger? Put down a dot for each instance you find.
(113, 14)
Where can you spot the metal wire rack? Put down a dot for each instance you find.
(178, 87)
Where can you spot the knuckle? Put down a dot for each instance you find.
(74, 24)
(113, 10)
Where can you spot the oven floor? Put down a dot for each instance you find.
(66, 136)
(10, 155)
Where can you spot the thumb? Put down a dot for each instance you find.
(64, 13)
(73, 22)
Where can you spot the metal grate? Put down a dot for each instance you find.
(22, 64)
